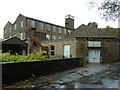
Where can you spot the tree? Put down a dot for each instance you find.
(93, 24)
(110, 9)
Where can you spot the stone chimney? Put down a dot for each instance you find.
(69, 22)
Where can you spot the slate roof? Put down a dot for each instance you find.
(13, 40)
(42, 21)
(87, 31)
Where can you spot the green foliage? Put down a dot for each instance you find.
(93, 24)
(109, 9)
(111, 30)
(6, 57)
(82, 62)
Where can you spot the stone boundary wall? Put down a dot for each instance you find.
(14, 72)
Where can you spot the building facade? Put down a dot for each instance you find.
(43, 30)
(85, 42)
(93, 45)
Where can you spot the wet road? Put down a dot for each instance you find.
(92, 76)
(95, 76)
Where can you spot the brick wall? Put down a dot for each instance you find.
(13, 72)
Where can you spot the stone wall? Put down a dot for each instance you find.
(59, 47)
(109, 50)
(14, 72)
(7, 31)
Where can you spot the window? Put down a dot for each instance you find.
(10, 30)
(5, 30)
(21, 24)
(21, 36)
(53, 37)
(52, 50)
(47, 27)
(54, 28)
(32, 23)
(15, 26)
(41, 25)
(47, 37)
(94, 44)
(14, 35)
(67, 51)
(64, 31)
(59, 38)
(59, 30)
(69, 31)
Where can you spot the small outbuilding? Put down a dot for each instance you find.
(13, 45)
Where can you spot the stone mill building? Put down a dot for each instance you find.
(93, 45)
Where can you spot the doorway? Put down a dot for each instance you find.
(94, 55)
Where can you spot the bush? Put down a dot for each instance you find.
(6, 57)
(82, 63)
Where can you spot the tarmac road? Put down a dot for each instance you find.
(104, 76)
(95, 76)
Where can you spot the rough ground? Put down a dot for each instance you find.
(92, 76)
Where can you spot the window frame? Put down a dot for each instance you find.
(54, 28)
(53, 37)
(47, 38)
(67, 50)
(40, 25)
(22, 24)
(69, 31)
(47, 26)
(59, 30)
(5, 31)
(65, 31)
(33, 23)
(10, 28)
(15, 26)
(52, 50)
(21, 36)
(59, 38)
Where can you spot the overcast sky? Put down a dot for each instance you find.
(52, 11)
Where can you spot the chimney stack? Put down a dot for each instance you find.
(69, 22)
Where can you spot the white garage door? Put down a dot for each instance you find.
(94, 55)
